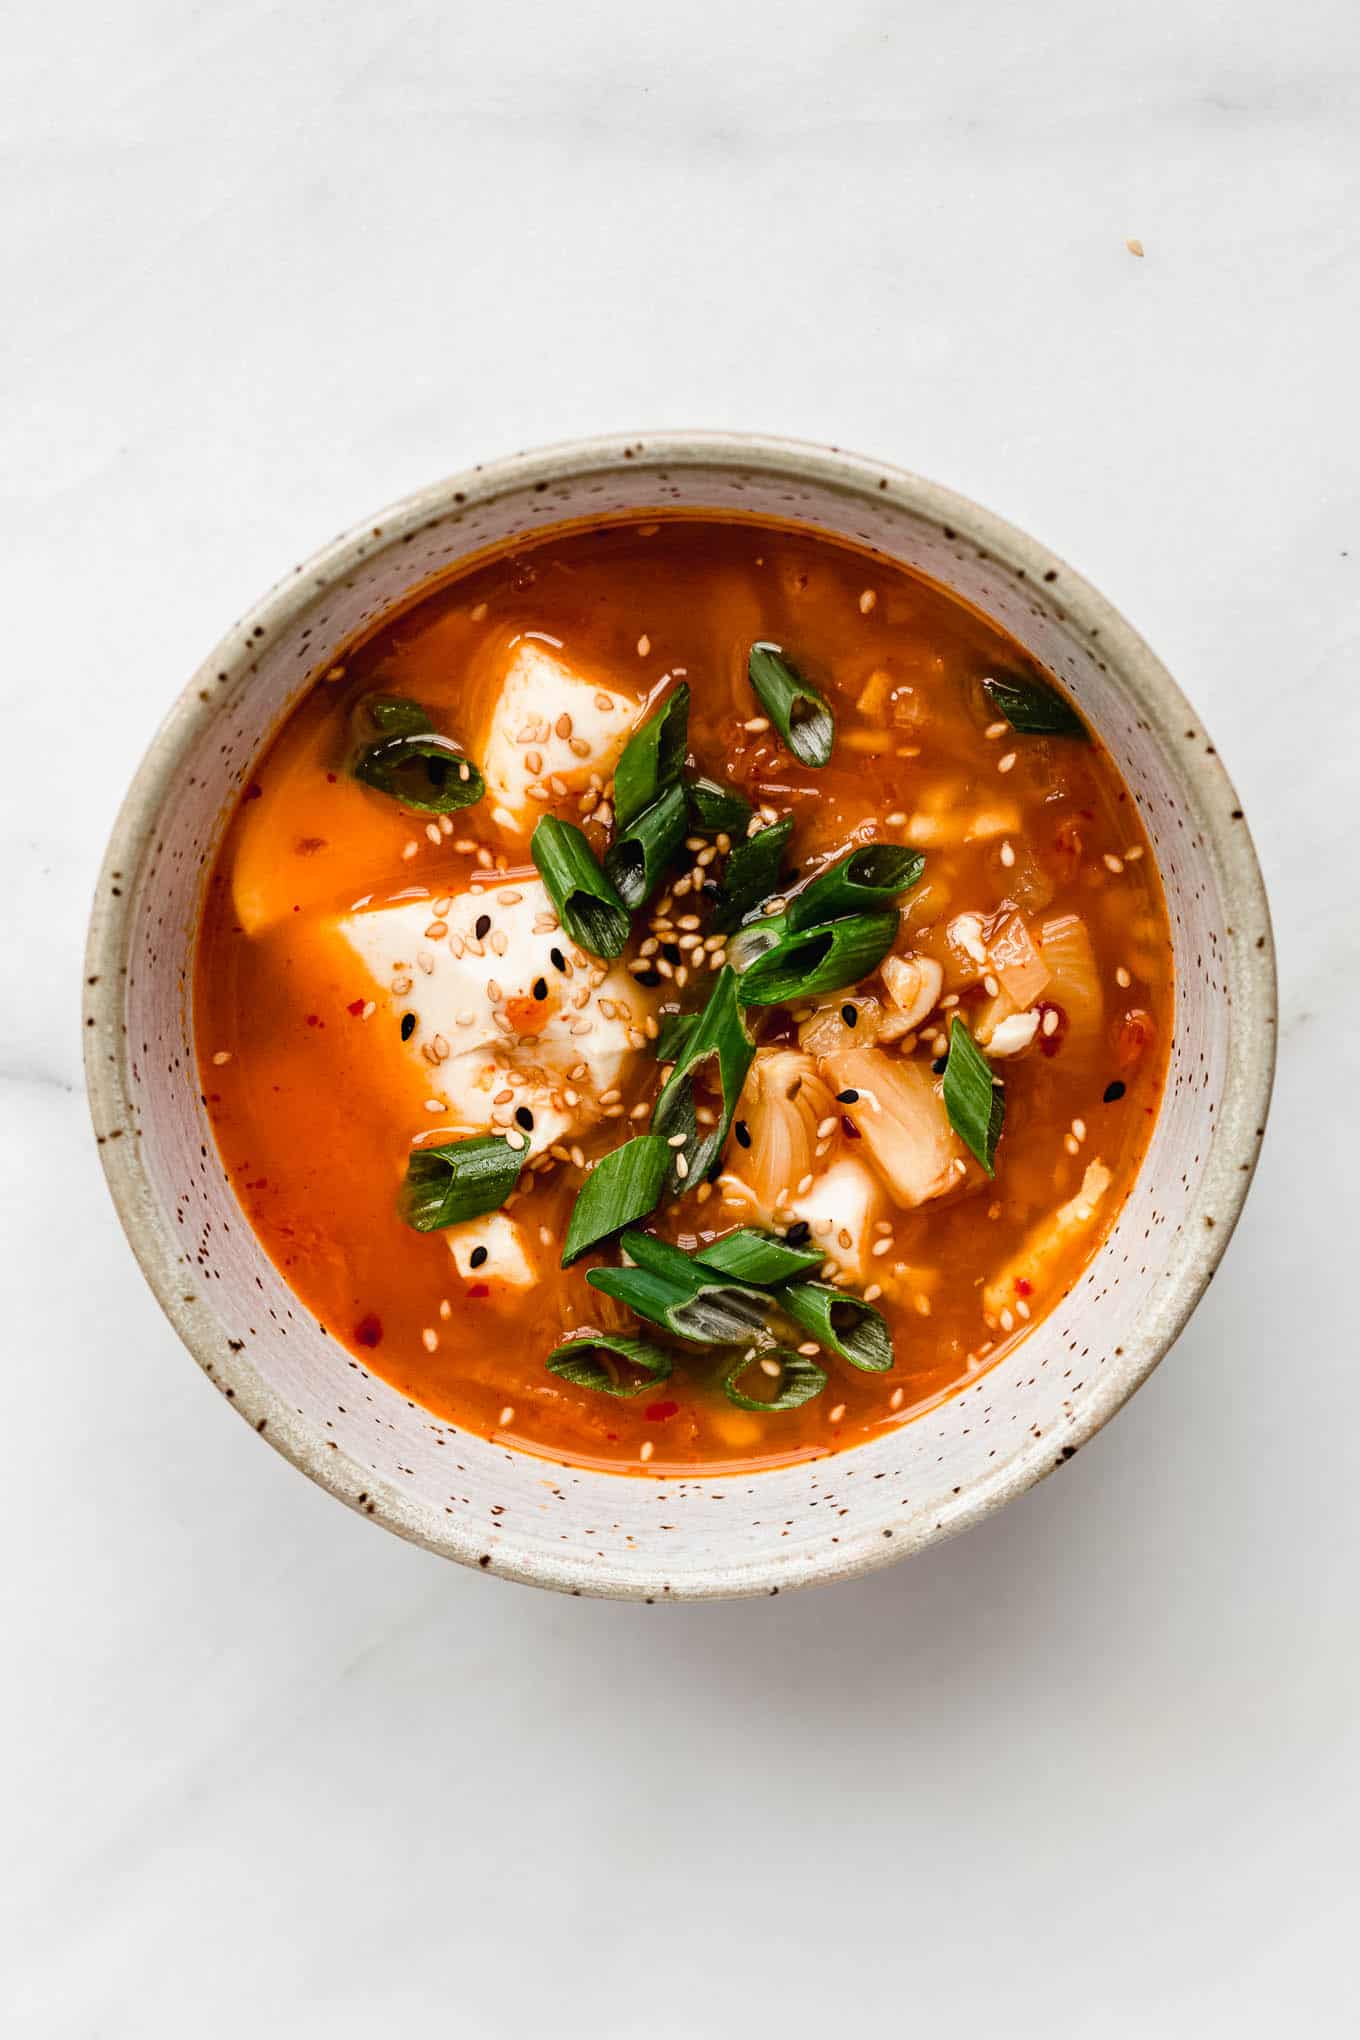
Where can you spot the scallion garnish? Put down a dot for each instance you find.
(717, 1047)
(842, 1323)
(673, 1291)
(461, 1179)
(758, 1257)
(717, 808)
(976, 1106)
(674, 1032)
(401, 754)
(799, 1377)
(587, 905)
(637, 858)
(797, 710)
(867, 878)
(391, 715)
(819, 960)
(602, 1360)
(751, 874)
(652, 758)
(1034, 707)
(622, 1187)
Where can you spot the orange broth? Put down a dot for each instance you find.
(315, 1105)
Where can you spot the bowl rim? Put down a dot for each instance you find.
(1243, 1106)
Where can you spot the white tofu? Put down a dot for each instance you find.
(548, 720)
(841, 1208)
(507, 1259)
(479, 1030)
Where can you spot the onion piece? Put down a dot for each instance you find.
(783, 1102)
(1031, 1267)
(1016, 963)
(901, 1118)
(1074, 978)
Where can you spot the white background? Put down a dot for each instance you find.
(1090, 1770)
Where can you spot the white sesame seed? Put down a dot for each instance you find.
(757, 725)
(507, 1415)
(1005, 764)
(1113, 863)
(996, 729)
(410, 849)
(896, 1399)
(1122, 978)
(881, 1247)
(867, 601)
(1079, 1129)
(223, 1055)
(644, 645)
(445, 1308)
(1007, 855)
(645, 1450)
(1051, 1021)
(838, 1413)
(429, 1339)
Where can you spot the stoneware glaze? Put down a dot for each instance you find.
(634, 1535)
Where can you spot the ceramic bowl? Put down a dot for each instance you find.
(632, 1535)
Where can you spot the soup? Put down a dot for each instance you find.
(684, 994)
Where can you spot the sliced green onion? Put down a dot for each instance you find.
(673, 1291)
(462, 1179)
(413, 764)
(758, 1257)
(1034, 707)
(751, 874)
(800, 1379)
(637, 859)
(622, 1187)
(716, 808)
(587, 905)
(676, 1029)
(844, 1324)
(753, 940)
(652, 758)
(976, 1106)
(718, 1046)
(391, 715)
(819, 960)
(867, 878)
(589, 1360)
(797, 710)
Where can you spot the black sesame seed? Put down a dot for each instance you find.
(476, 1257)
(559, 962)
(672, 952)
(524, 1117)
(850, 1015)
(408, 1026)
(798, 1235)
(1114, 1092)
(939, 1065)
(648, 977)
(847, 1097)
(743, 1133)
(482, 927)
(540, 988)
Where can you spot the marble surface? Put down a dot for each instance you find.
(1089, 1770)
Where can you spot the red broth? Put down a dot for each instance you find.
(1039, 920)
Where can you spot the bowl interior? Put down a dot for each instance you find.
(593, 1532)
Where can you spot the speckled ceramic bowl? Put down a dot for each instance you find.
(633, 1535)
